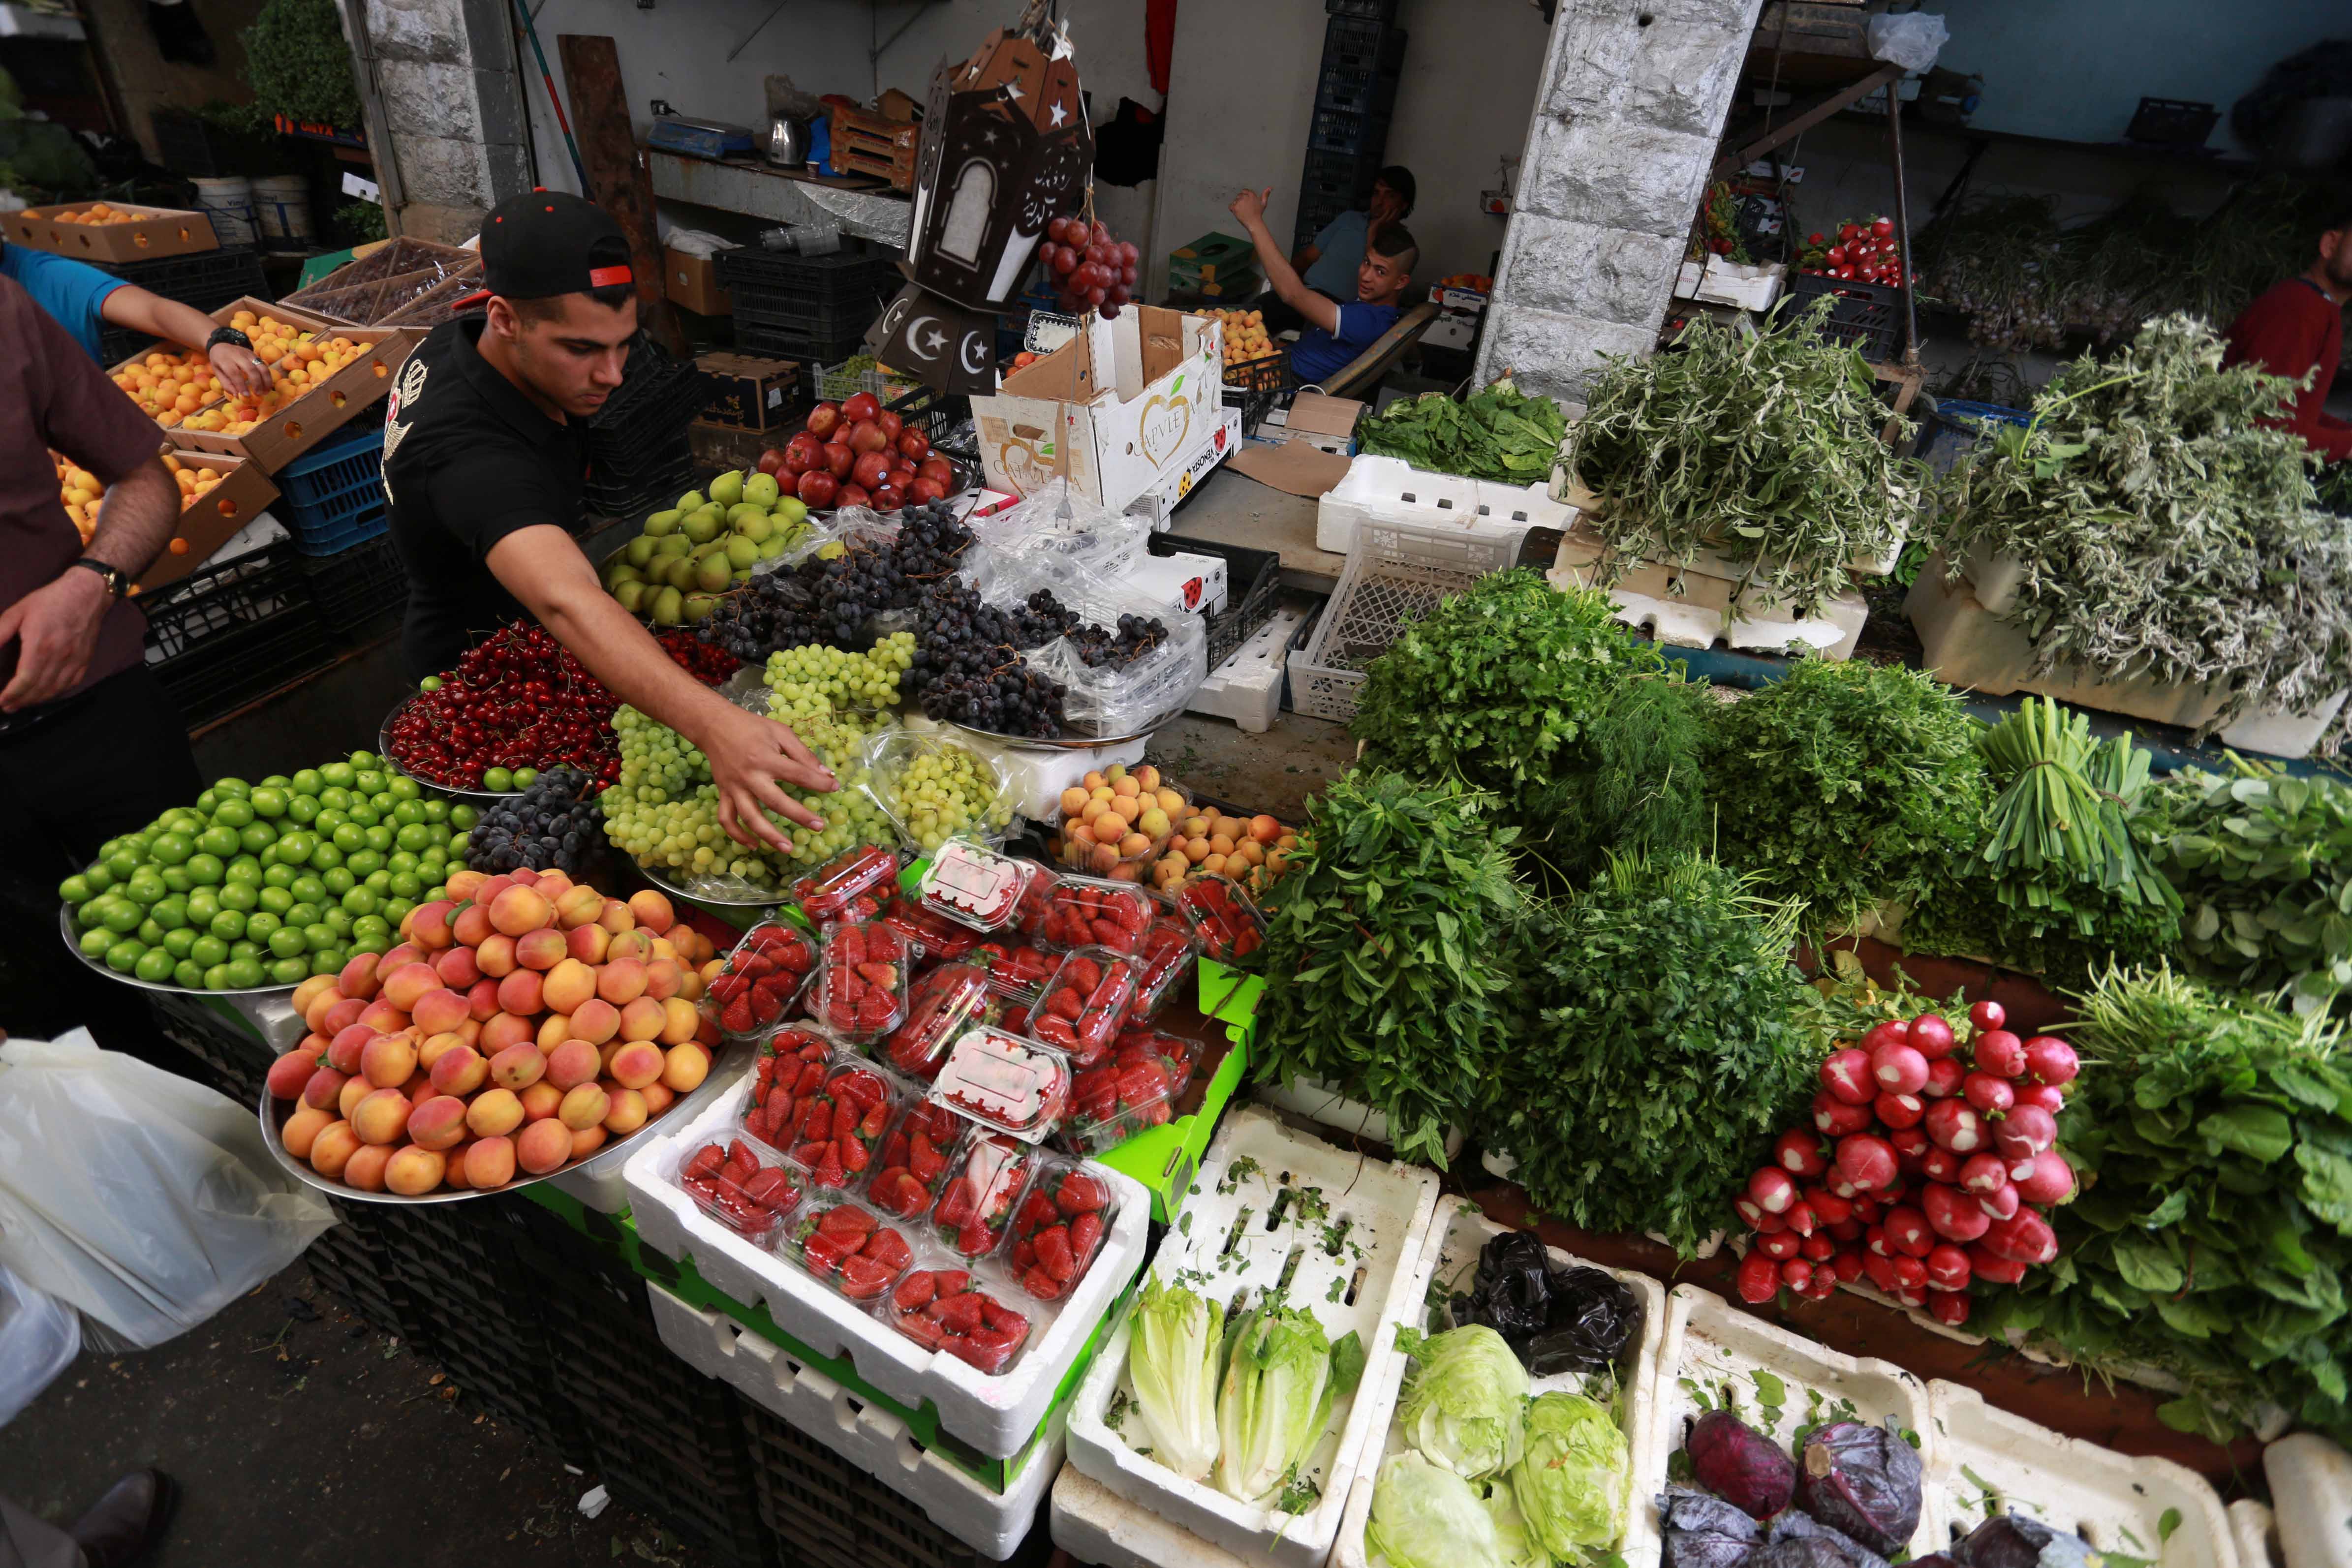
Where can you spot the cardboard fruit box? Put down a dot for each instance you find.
(157, 232)
(210, 520)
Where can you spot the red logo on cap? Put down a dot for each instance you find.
(607, 277)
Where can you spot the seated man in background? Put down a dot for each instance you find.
(1337, 333)
(1329, 265)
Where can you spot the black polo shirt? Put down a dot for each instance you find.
(468, 460)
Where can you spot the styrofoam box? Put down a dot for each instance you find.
(995, 1415)
(1501, 1163)
(873, 1440)
(2254, 1531)
(1747, 285)
(601, 1184)
(2311, 1495)
(1247, 687)
(1713, 1346)
(1318, 1101)
(1466, 1231)
(1169, 578)
(1987, 1462)
(1391, 490)
(1267, 1199)
(1096, 1525)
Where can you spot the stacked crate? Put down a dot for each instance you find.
(1355, 94)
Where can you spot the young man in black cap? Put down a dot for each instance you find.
(484, 455)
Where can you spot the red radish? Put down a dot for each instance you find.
(1847, 1230)
(1910, 1274)
(1944, 1077)
(1908, 1231)
(1897, 1070)
(1948, 1269)
(1912, 1165)
(1822, 1285)
(1866, 1161)
(2051, 1180)
(1983, 1174)
(1898, 1111)
(1847, 1267)
(1818, 1250)
(2051, 1060)
(1874, 1241)
(1828, 1207)
(1931, 1036)
(1953, 1216)
(1909, 1141)
(2001, 1203)
(1801, 1219)
(1989, 1094)
(1892, 1193)
(1950, 1307)
(2024, 1133)
(1801, 1153)
(1838, 1117)
(2023, 1238)
(2001, 1053)
(1866, 1210)
(1796, 1273)
(1888, 1032)
(1985, 1264)
(1779, 1245)
(1841, 1187)
(2049, 1096)
(1880, 1269)
(1941, 1166)
(1847, 1074)
(1772, 1189)
(1749, 1214)
(1954, 1124)
(1759, 1278)
(1987, 1014)
(1769, 1224)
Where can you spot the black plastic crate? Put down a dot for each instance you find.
(231, 632)
(1867, 316)
(1252, 585)
(945, 420)
(228, 1059)
(187, 144)
(836, 1516)
(1374, 10)
(1353, 133)
(1362, 57)
(353, 1262)
(207, 281)
(790, 345)
(1338, 182)
(840, 277)
(2172, 122)
(782, 314)
(358, 587)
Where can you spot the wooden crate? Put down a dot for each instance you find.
(160, 232)
(867, 143)
(210, 520)
(753, 393)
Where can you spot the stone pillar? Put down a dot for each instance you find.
(1633, 100)
(450, 94)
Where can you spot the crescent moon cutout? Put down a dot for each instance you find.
(915, 337)
(973, 353)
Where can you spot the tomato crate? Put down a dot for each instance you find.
(1867, 316)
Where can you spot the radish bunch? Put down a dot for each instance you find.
(1927, 1164)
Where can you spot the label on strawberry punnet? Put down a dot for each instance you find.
(974, 884)
(1002, 1080)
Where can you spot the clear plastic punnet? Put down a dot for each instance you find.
(1017, 1085)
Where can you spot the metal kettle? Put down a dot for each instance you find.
(788, 141)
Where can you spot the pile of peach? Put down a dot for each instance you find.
(522, 1022)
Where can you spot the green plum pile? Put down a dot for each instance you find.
(268, 884)
(942, 792)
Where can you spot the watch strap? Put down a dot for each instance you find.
(228, 335)
(116, 580)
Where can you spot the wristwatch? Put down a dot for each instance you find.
(228, 335)
(118, 582)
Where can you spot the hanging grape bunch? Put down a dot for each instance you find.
(1090, 270)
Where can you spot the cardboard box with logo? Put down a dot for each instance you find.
(1121, 408)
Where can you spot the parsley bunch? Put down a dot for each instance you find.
(1668, 1042)
(1386, 969)
(1845, 785)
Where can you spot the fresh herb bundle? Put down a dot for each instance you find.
(1544, 699)
(2264, 862)
(1387, 970)
(1665, 1044)
(2164, 531)
(1500, 434)
(1844, 786)
(1765, 451)
(2059, 826)
(2213, 1236)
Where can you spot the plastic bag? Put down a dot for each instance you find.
(922, 827)
(1557, 1320)
(1912, 40)
(144, 1200)
(1115, 699)
(39, 1337)
(1059, 521)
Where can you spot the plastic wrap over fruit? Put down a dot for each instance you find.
(1557, 1320)
(2013, 1540)
(1797, 1539)
(1740, 1465)
(1862, 1481)
(1704, 1532)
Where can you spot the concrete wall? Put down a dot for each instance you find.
(1470, 76)
(452, 96)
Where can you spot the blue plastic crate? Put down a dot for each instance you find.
(330, 538)
(1957, 423)
(334, 469)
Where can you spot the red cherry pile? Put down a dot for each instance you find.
(846, 1245)
(1091, 271)
(706, 662)
(734, 1188)
(1056, 1232)
(1865, 252)
(1925, 1167)
(938, 1308)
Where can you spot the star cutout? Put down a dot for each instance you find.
(1012, 91)
(1059, 115)
(1062, 50)
(935, 339)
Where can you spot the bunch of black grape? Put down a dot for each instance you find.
(1042, 619)
(931, 542)
(1137, 635)
(1011, 699)
(968, 667)
(553, 825)
(829, 598)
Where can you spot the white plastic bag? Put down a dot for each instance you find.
(1059, 521)
(144, 1200)
(39, 1337)
(1912, 40)
(1112, 699)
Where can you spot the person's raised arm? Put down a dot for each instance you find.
(135, 309)
(55, 626)
(545, 572)
(1318, 310)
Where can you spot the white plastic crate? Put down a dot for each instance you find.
(1989, 1462)
(2311, 1494)
(1455, 1266)
(995, 1415)
(1396, 572)
(1247, 687)
(1712, 1347)
(602, 1184)
(2254, 1531)
(1267, 1203)
(1742, 285)
(1098, 1526)
(1318, 1101)
(1391, 490)
(873, 1439)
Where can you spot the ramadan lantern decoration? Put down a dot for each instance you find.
(939, 342)
(1005, 149)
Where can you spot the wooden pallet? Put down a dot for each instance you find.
(868, 143)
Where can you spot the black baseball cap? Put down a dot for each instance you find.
(544, 244)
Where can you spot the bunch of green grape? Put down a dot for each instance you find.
(802, 678)
(945, 792)
(268, 884)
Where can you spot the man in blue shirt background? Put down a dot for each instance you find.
(1337, 333)
(84, 301)
(1329, 265)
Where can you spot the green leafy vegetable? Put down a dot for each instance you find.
(1282, 1373)
(298, 65)
(1500, 434)
(1425, 1516)
(1173, 1361)
(1463, 1399)
(1573, 1482)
